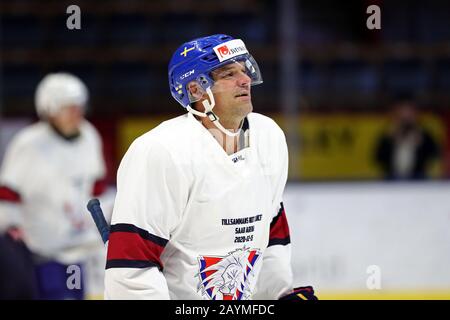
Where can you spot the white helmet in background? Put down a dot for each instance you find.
(58, 90)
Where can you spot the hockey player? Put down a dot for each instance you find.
(199, 211)
(50, 170)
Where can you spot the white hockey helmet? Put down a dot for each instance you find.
(58, 90)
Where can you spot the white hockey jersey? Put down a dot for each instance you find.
(192, 222)
(45, 184)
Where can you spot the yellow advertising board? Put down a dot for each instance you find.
(342, 146)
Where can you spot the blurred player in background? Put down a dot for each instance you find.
(199, 211)
(49, 172)
(406, 150)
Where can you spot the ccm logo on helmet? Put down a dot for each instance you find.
(187, 74)
(230, 49)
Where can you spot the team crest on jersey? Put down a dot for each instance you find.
(227, 278)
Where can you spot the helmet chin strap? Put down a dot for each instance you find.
(210, 114)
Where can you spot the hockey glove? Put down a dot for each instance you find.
(301, 293)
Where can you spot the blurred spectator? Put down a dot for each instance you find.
(50, 170)
(407, 149)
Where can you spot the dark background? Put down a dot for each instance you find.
(123, 49)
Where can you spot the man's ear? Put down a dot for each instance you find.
(195, 90)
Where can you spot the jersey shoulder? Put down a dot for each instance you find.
(167, 139)
(170, 135)
(88, 127)
(90, 132)
(169, 130)
(29, 136)
(265, 127)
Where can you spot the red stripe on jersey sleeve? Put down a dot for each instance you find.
(279, 229)
(131, 246)
(9, 195)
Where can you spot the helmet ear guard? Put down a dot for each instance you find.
(195, 91)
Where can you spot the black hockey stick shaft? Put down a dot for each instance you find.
(97, 214)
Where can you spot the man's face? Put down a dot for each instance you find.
(68, 119)
(232, 91)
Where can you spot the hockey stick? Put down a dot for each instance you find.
(97, 214)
